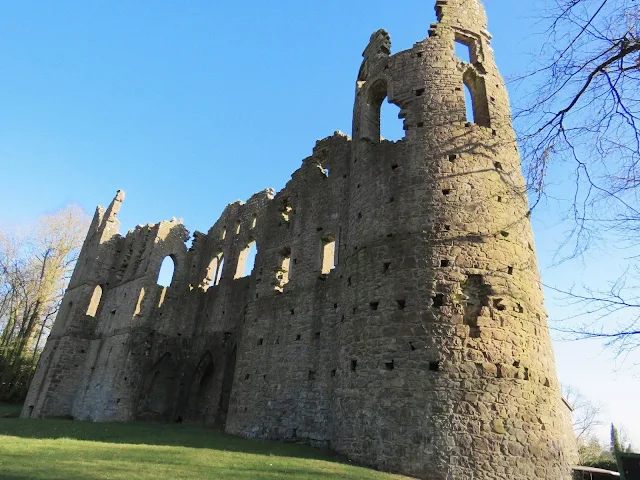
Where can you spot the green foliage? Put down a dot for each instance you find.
(616, 446)
(35, 267)
(593, 454)
(62, 449)
(18, 371)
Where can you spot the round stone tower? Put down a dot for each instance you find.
(449, 368)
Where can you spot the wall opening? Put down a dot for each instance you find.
(286, 210)
(476, 102)
(391, 125)
(328, 253)
(283, 270)
(95, 301)
(165, 275)
(219, 269)
(214, 271)
(468, 104)
(246, 260)
(379, 118)
(462, 51)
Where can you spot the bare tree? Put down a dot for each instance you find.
(35, 268)
(582, 113)
(585, 415)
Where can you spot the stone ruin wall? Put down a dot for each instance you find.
(424, 351)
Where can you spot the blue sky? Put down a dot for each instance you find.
(190, 105)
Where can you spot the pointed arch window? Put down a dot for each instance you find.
(166, 272)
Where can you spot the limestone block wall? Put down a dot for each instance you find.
(394, 312)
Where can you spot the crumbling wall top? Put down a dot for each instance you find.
(465, 15)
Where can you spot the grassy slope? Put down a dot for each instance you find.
(63, 449)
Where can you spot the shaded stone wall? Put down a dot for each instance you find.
(394, 312)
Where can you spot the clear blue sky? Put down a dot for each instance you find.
(190, 105)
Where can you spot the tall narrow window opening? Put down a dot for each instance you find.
(212, 275)
(468, 104)
(477, 93)
(328, 254)
(246, 261)
(165, 275)
(95, 301)
(219, 269)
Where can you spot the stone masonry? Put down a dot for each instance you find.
(394, 312)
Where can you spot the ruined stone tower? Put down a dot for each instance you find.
(394, 312)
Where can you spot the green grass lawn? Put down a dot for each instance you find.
(64, 449)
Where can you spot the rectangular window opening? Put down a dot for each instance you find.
(328, 252)
(463, 50)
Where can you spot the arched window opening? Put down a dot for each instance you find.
(282, 272)
(328, 254)
(95, 301)
(246, 261)
(254, 220)
(468, 104)
(238, 224)
(391, 125)
(165, 275)
(379, 118)
(219, 269)
(212, 271)
(477, 101)
(371, 111)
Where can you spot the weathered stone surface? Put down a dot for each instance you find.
(424, 351)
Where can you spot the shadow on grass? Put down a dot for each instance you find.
(174, 435)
